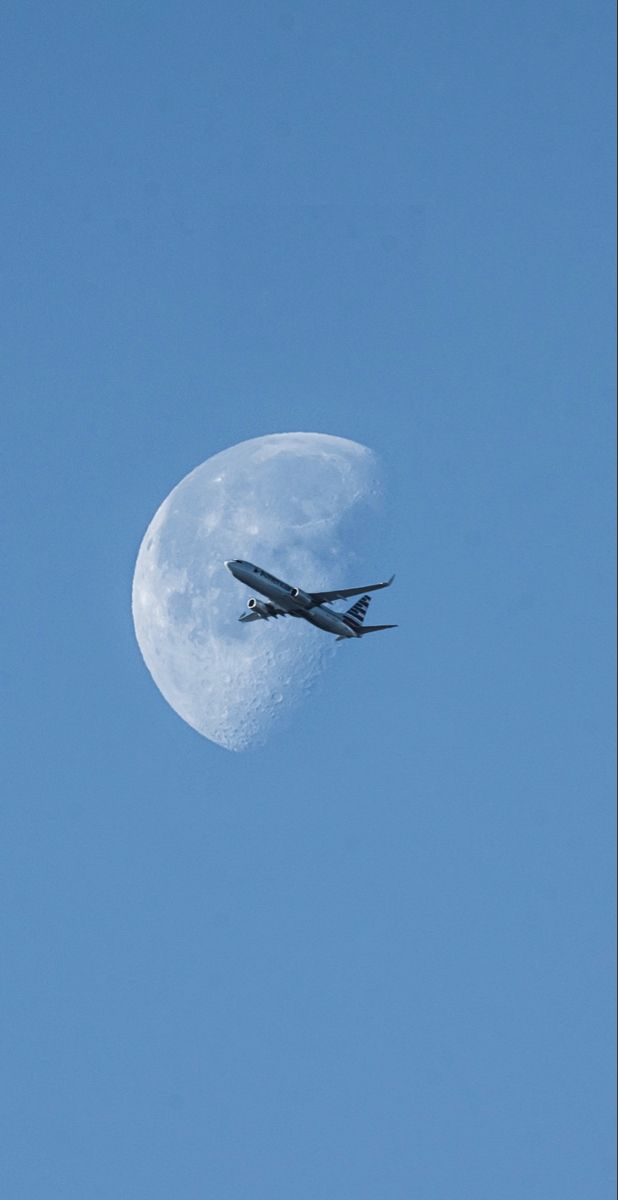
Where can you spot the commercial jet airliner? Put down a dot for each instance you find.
(285, 601)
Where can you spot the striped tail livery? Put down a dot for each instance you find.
(355, 616)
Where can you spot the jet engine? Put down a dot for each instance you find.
(301, 598)
(261, 607)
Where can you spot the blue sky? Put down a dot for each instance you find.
(374, 958)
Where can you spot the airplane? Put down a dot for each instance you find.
(283, 601)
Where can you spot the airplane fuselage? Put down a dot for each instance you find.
(291, 600)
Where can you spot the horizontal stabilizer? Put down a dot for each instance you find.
(375, 629)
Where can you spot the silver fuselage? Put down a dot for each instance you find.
(282, 595)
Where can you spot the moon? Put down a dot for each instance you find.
(291, 502)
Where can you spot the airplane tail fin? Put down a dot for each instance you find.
(355, 615)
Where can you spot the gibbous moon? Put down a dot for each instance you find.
(288, 502)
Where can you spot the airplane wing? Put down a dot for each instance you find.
(343, 593)
(260, 615)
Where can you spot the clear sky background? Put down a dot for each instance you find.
(371, 961)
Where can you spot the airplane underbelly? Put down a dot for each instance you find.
(329, 621)
(274, 593)
(321, 617)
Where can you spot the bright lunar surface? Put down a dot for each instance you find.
(295, 504)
